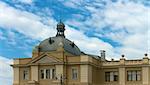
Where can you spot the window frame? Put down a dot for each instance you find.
(76, 73)
(47, 73)
(26, 74)
(135, 75)
(111, 76)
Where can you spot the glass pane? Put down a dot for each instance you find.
(47, 73)
(25, 74)
(134, 75)
(111, 76)
(74, 73)
(138, 75)
(107, 76)
(115, 76)
(129, 75)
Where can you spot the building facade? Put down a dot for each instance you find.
(58, 61)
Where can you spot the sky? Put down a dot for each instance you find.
(116, 26)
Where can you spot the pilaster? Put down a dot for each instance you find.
(16, 76)
(122, 76)
(59, 70)
(145, 75)
(86, 71)
(86, 74)
(34, 73)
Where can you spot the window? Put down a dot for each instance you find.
(53, 73)
(25, 74)
(47, 73)
(134, 75)
(111, 76)
(107, 76)
(74, 73)
(42, 74)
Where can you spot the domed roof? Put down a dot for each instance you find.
(53, 43)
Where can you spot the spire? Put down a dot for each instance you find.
(60, 29)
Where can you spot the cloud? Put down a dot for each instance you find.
(134, 46)
(132, 19)
(24, 22)
(130, 15)
(30, 25)
(90, 45)
(124, 22)
(5, 71)
(115, 15)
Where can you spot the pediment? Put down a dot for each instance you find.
(45, 59)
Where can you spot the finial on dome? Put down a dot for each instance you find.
(60, 29)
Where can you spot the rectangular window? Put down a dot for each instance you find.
(74, 73)
(47, 73)
(107, 76)
(42, 74)
(25, 74)
(111, 76)
(115, 76)
(53, 73)
(134, 75)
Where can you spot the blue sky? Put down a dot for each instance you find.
(117, 26)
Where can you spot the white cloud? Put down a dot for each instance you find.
(117, 14)
(91, 45)
(130, 15)
(24, 22)
(30, 25)
(128, 23)
(134, 46)
(6, 73)
(137, 41)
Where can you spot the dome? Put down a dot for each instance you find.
(53, 43)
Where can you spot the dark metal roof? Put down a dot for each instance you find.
(53, 43)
